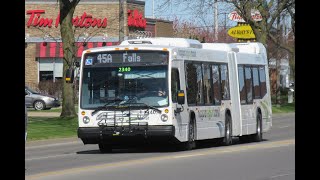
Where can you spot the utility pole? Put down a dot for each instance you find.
(152, 9)
(215, 19)
(278, 92)
(225, 26)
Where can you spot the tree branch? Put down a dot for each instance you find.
(281, 45)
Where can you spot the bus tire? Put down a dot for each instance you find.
(190, 144)
(227, 140)
(105, 148)
(257, 137)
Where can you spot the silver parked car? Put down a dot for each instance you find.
(38, 101)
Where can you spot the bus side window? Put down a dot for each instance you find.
(175, 84)
(225, 82)
(256, 83)
(216, 84)
(243, 95)
(262, 77)
(248, 84)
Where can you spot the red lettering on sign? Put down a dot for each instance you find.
(135, 19)
(85, 20)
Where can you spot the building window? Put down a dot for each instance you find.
(53, 65)
(46, 76)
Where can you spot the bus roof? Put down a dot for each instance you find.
(170, 43)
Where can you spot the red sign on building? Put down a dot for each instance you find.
(135, 19)
(85, 20)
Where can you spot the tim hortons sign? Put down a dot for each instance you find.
(135, 19)
(84, 21)
(255, 15)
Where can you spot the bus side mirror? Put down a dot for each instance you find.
(69, 75)
(180, 97)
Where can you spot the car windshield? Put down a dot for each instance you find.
(31, 90)
(112, 86)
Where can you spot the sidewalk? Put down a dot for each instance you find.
(43, 114)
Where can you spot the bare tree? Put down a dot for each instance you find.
(270, 30)
(185, 29)
(270, 11)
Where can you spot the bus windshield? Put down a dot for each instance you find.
(123, 84)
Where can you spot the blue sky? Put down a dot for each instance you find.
(177, 11)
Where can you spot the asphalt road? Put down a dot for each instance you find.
(271, 159)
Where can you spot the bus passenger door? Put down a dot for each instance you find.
(179, 111)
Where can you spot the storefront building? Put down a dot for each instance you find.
(96, 23)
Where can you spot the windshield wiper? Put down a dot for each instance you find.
(143, 105)
(105, 106)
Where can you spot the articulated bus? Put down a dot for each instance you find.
(173, 89)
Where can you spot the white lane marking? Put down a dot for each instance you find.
(283, 127)
(183, 156)
(280, 175)
(46, 157)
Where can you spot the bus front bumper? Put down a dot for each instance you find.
(94, 135)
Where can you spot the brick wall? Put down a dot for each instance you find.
(31, 65)
(164, 29)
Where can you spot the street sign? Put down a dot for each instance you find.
(255, 15)
(242, 31)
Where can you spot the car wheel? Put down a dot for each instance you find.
(39, 105)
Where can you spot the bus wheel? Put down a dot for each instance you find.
(227, 140)
(190, 144)
(105, 148)
(257, 137)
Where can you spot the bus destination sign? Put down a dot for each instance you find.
(125, 57)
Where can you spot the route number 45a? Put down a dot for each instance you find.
(104, 58)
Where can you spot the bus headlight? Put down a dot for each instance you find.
(86, 119)
(164, 117)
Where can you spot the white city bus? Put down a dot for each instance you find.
(208, 91)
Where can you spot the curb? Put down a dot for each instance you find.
(44, 114)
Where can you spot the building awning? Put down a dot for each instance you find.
(54, 49)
